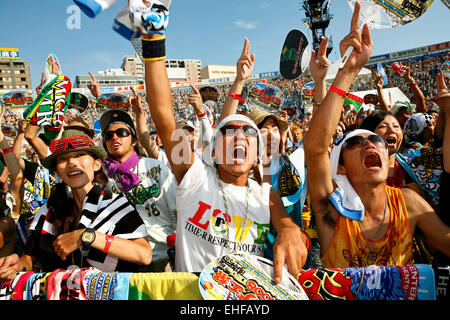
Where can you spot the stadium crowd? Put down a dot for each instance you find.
(185, 177)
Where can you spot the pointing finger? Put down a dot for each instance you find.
(355, 18)
(133, 90)
(194, 89)
(246, 49)
(42, 78)
(93, 77)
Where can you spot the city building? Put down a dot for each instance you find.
(110, 78)
(212, 71)
(14, 72)
(133, 65)
(183, 69)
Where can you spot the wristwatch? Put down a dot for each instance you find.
(87, 238)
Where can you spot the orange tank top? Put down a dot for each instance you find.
(350, 249)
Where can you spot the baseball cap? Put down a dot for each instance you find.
(111, 117)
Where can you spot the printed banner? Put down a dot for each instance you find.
(246, 277)
(267, 96)
(49, 108)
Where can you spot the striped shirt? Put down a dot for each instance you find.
(103, 211)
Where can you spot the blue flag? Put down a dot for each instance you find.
(381, 72)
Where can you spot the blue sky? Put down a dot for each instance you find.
(210, 30)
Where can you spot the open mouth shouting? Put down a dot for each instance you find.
(372, 160)
(391, 142)
(239, 154)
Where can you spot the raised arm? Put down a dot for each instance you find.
(143, 133)
(244, 69)
(327, 116)
(195, 99)
(418, 94)
(442, 98)
(159, 96)
(17, 147)
(379, 83)
(15, 171)
(318, 66)
(38, 145)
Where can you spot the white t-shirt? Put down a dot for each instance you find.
(202, 234)
(154, 199)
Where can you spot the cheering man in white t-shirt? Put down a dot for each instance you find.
(220, 209)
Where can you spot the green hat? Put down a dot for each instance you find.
(50, 161)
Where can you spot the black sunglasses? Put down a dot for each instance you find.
(358, 141)
(232, 129)
(121, 132)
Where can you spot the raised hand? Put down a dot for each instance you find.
(195, 99)
(149, 17)
(360, 41)
(319, 63)
(39, 88)
(379, 82)
(94, 87)
(135, 102)
(442, 98)
(21, 125)
(244, 66)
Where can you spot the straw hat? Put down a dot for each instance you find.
(78, 123)
(258, 116)
(50, 161)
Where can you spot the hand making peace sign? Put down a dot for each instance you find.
(360, 41)
(93, 86)
(319, 63)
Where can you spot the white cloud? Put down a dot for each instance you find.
(265, 5)
(245, 24)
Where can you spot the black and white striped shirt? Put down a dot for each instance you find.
(103, 211)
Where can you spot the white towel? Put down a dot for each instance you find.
(344, 198)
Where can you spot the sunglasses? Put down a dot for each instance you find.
(358, 141)
(76, 142)
(121, 132)
(230, 129)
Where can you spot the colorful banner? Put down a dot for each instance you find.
(267, 96)
(17, 99)
(9, 53)
(412, 282)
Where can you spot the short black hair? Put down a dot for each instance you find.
(373, 120)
